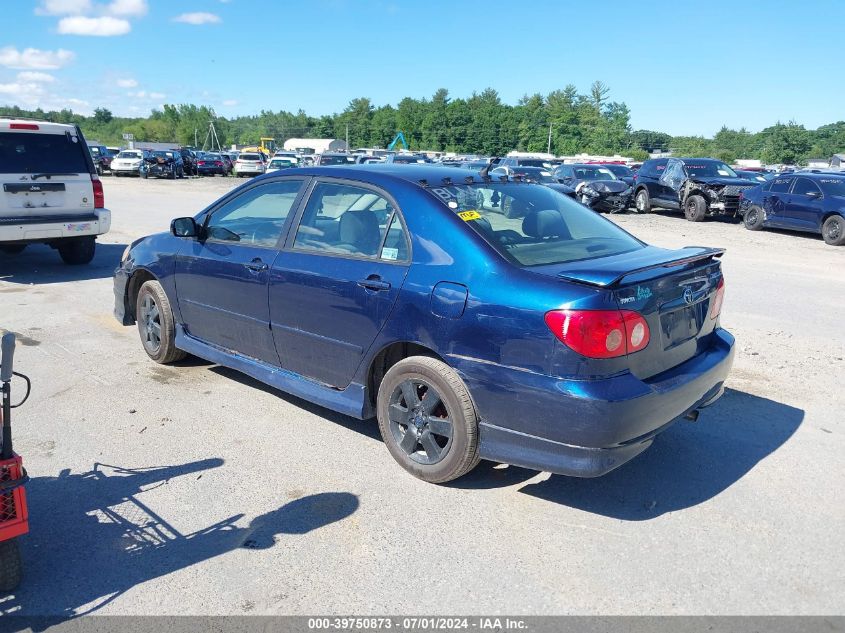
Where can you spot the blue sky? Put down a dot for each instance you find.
(682, 68)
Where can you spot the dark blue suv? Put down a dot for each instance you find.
(802, 201)
(550, 339)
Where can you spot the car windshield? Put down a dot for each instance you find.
(534, 173)
(95, 151)
(161, 154)
(129, 155)
(328, 159)
(248, 157)
(278, 162)
(620, 170)
(593, 173)
(532, 225)
(213, 157)
(833, 186)
(709, 169)
(26, 153)
(535, 162)
(410, 158)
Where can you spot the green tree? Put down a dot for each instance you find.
(788, 144)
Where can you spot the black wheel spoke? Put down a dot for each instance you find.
(398, 414)
(408, 443)
(432, 450)
(440, 426)
(409, 391)
(430, 401)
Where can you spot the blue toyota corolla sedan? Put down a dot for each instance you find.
(475, 318)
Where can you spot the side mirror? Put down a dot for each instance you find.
(185, 227)
(814, 194)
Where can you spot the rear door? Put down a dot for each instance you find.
(775, 201)
(334, 284)
(222, 280)
(804, 207)
(45, 171)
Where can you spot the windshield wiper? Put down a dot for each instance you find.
(58, 173)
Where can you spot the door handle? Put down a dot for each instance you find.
(374, 282)
(256, 265)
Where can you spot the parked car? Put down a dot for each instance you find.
(212, 164)
(813, 202)
(526, 161)
(291, 157)
(557, 342)
(279, 162)
(189, 161)
(596, 186)
(336, 158)
(229, 162)
(697, 186)
(528, 174)
(102, 158)
(128, 162)
(249, 164)
(52, 193)
(753, 176)
(622, 172)
(163, 164)
(406, 158)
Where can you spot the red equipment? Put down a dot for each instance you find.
(14, 517)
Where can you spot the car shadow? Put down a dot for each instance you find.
(40, 264)
(93, 537)
(687, 465)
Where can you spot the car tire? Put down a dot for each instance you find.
(143, 175)
(434, 442)
(156, 324)
(12, 250)
(695, 209)
(11, 569)
(642, 201)
(753, 218)
(833, 230)
(77, 251)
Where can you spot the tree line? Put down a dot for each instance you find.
(565, 121)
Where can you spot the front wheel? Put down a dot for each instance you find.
(642, 202)
(753, 218)
(11, 569)
(427, 419)
(77, 251)
(833, 230)
(156, 324)
(695, 209)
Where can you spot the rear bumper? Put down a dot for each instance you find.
(47, 229)
(586, 428)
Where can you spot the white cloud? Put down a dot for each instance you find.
(157, 95)
(101, 27)
(230, 102)
(35, 59)
(28, 76)
(141, 94)
(197, 18)
(135, 8)
(127, 83)
(63, 7)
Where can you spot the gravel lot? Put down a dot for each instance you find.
(195, 490)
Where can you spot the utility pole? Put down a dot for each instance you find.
(549, 150)
(347, 137)
(195, 137)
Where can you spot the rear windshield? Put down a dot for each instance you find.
(335, 160)
(594, 173)
(248, 157)
(27, 153)
(129, 155)
(535, 162)
(620, 170)
(532, 225)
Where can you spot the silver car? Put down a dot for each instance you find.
(249, 164)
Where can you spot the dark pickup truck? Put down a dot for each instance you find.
(102, 158)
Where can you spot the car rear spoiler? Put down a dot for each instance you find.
(610, 281)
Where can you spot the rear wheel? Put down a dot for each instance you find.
(427, 419)
(695, 209)
(11, 569)
(833, 230)
(77, 251)
(156, 324)
(642, 202)
(753, 218)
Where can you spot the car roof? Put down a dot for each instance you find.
(385, 172)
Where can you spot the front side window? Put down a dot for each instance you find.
(255, 217)
(349, 220)
(531, 225)
(805, 187)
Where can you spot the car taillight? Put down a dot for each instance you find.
(202, 162)
(600, 333)
(99, 197)
(218, 164)
(718, 298)
(23, 126)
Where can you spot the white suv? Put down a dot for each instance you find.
(51, 192)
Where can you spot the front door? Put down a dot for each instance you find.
(222, 279)
(334, 284)
(775, 201)
(669, 184)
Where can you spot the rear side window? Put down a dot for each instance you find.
(28, 153)
(805, 186)
(780, 185)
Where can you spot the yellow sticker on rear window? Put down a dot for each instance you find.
(466, 216)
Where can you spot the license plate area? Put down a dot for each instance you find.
(682, 324)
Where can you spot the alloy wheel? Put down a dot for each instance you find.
(420, 422)
(150, 317)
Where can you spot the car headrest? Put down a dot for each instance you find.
(361, 230)
(545, 223)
